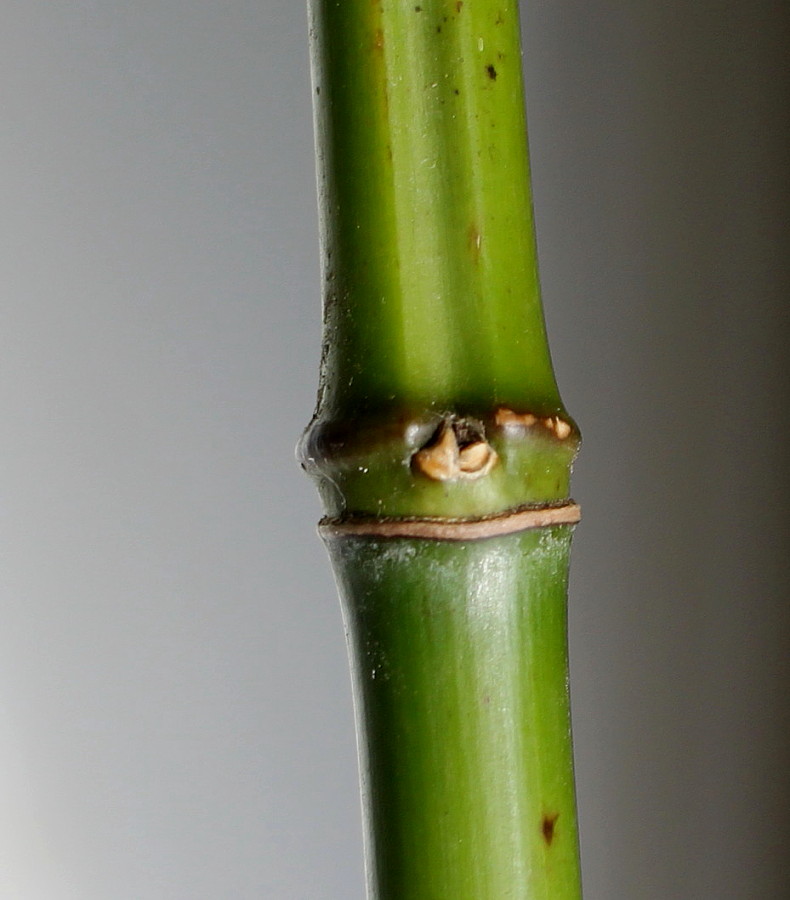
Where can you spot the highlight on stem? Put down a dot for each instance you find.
(442, 452)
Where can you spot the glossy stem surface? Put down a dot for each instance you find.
(429, 257)
(458, 655)
(438, 403)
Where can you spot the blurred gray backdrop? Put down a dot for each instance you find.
(175, 713)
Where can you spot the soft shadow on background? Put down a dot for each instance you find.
(175, 715)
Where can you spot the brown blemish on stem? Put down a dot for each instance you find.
(548, 827)
(491, 71)
(455, 452)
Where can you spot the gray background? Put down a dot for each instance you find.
(175, 715)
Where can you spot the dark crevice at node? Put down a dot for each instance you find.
(491, 72)
(547, 827)
(467, 432)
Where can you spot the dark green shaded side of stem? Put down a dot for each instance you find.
(459, 662)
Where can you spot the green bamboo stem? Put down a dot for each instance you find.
(459, 655)
(442, 451)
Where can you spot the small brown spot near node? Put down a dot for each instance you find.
(491, 72)
(456, 91)
(506, 417)
(547, 827)
(475, 241)
(418, 9)
(561, 428)
(378, 40)
(459, 5)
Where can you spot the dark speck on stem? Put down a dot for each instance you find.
(491, 72)
(547, 827)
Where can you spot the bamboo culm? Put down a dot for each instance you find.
(442, 452)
